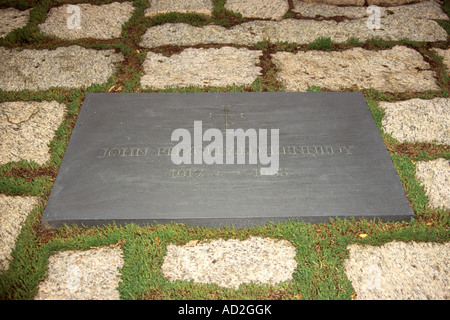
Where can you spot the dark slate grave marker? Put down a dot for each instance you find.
(118, 166)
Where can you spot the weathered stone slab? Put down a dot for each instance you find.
(423, 10)
(435, 176)
(231, 263)
(430, 10)
(12, 19)
(13, 213)
(82, 275)
(389, 3)
(66, 67)
(418, 120)
(362, 2)
(27, 128)
(339, 2)
(100, 22)
(272, 9)
(293, 30)
(118, 164)
(399, 271)
(201, 67)
(322, 9)
(183, 34)
(385, 70)
(204, 7)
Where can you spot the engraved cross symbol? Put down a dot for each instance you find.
(225, 110)
(226, 116)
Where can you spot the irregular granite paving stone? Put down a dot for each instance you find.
(389, 3)
(268, 9)
(100, 22)
(339, 2)
(66, 67)
(204, 7)
(400, 271)
(385, 70)
(435, 176)
(430, 10)
(13, 212)
(418, 120)
(232, 262)
(422, 10)
(201, 67)
(12, 19)
(183, 34)
(27, 128)
(323, 9)
(362, 2)
(292, 30)
(82, 275)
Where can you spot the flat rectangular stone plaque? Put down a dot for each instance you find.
(118, 165)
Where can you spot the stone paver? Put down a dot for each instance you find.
(418, 120)
(231, 263)
(423, 10)
(12, 19)
(100, 22)
(400, 271)
(389, 3)
(82, 275)
(322, 9)
(385, 70)
(293, 30)
(67, 67)
(204, 7)
(201, 67)
(435, 176)
(339, 2)
(268, 9)
(13, 213)
(27, 128)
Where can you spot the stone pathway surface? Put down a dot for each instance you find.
(113, 15)
(234, 262)
(13, 213)
(435, 176)
(274, 10)
(156, 7)
(213, 55)
(418, 120)
(385, 70)
(226, 66)
(380, 273)
(82, 275)
(12, 19)
(27, 128)
(66, 67)
(415, 22)
(292, 30)
(428, 10)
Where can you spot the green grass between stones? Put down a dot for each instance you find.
(321, 248)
